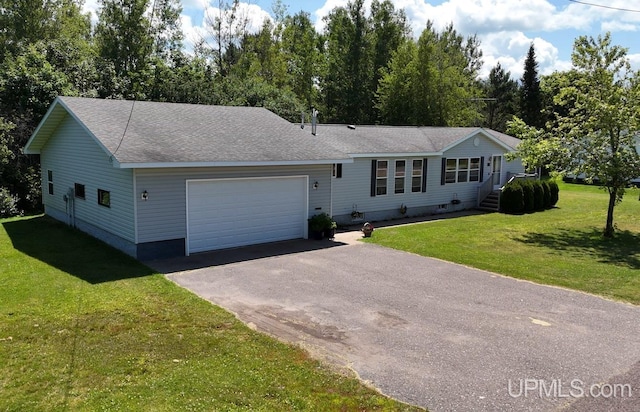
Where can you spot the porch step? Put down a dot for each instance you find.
(491, 202)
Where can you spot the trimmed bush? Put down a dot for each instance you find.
(528, 196)
(546, 189)
(538, 195)
(512, 198)
(528, 193)
(555, 192)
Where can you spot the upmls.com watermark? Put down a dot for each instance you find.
(557, 388)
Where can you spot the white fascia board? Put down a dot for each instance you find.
(382, 155)
(169, 165)
(43, 121)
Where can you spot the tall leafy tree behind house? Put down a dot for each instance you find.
(349, 66)
(301, 48)
(124, 43)
(432, 82)
(389, 30)
(226, 27)
(503, 92)
(45, 51)
(133, 41)
(530, 97)
(358, 47)
(28, 85)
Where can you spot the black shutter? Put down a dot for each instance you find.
(424, 175)
(444, 170)
(338, 170)
(481, 169)
(374, 169)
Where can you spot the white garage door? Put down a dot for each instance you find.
(237, 212)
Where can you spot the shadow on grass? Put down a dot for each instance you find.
(622, 250)
(72, 251)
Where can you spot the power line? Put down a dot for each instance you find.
(605, 7)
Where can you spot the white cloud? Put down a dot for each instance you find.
(194, 4)
(614, 26)
(91, 7)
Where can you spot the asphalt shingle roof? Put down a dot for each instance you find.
(155, 133)
(401, 139)
(174, 132)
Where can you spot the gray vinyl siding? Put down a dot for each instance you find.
(163, 215)
(486, 149)
(353, 190)
(74, 157)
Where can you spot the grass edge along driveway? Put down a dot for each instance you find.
(85, 327)
(561, 246)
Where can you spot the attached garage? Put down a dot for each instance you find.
(225, 213)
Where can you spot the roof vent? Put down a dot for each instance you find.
(314, 121)
(352, 127)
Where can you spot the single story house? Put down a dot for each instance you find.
(165, 179)
(400, 171)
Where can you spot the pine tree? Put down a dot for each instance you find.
(503, 92)
(530, 96)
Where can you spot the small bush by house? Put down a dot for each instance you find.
(528, 196)
(555, 190)
(512, 199)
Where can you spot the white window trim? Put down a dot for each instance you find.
(386, 178)
(468, 169)
(419, 174)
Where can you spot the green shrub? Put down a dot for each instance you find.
(528, 194)
(555, 191)
(512, 198)
(8, 204)
(546, 194)
(538, 195)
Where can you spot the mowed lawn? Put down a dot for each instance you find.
(562, 246)
(86, 328)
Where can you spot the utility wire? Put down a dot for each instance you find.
(133, 103)
(605, 7)
(125, 127)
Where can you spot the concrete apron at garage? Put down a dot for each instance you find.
(425, 331)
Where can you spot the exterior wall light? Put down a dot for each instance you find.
(145, 196)
(315, 186)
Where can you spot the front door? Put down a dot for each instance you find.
(496, 175)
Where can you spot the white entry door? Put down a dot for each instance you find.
(228, 213)
(496, 172)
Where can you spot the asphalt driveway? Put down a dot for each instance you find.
(429, 332)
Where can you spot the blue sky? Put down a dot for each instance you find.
(506, 28)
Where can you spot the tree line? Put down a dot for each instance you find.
(365, 67)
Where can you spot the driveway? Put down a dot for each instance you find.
(428, 332)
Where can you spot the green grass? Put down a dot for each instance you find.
(562, 246)
(85, 328)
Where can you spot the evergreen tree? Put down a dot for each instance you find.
(530, 96)
(503, 92)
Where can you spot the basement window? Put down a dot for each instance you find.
(104, 198)
(78, 190)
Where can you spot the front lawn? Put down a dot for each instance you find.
(562, 246)
(83, 327)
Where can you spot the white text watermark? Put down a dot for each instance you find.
(558, 388)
